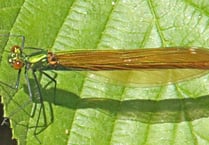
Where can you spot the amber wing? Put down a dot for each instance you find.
(157, 58)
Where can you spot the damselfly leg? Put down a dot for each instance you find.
(19, 60)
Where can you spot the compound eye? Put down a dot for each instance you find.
(15, 49)
(17, 64)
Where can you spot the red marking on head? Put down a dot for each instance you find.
(15, 48)
(17, 64)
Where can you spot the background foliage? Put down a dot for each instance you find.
(90, 108)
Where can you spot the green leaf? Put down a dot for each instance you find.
(106, 108)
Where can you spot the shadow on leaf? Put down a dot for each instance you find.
(146, 111)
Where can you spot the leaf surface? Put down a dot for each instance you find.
(90, 108)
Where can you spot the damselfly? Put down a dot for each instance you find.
(104, 60)
(118, 62)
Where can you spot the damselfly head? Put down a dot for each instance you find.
(14, 58)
